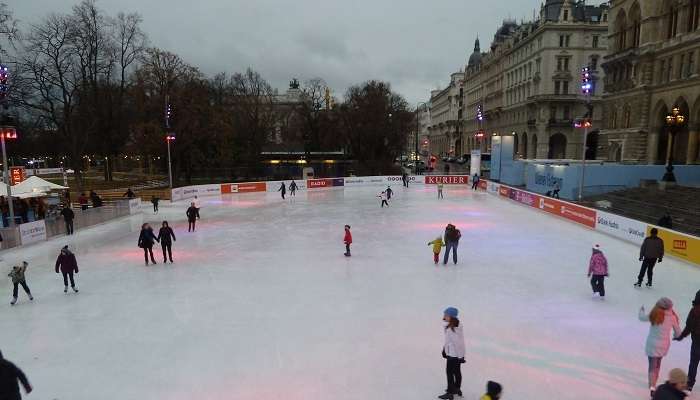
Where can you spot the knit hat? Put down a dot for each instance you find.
(451, 312)
(664, 303)
(677, 376)
(696, 302)
(597, 247)
(494, 388)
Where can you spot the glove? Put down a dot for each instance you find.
(462, 360)
(443, 353)
(677, 339)
(641, 258)
(660, 259)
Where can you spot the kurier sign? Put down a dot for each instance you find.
(17, 175)
(447, 179)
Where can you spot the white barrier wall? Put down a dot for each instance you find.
(32, 232)
(624, 228)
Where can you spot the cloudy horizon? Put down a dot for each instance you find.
(415, 47)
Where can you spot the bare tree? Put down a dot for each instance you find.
(8, 29)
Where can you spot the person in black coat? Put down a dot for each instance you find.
(191, 217)
(166, 236)
(146, 240)
(9, 375)
(155, 200)
(692, 328)
(68, 216)
(673, 388)
(282, 189)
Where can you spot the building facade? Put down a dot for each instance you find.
(652, 66)
(444, 132)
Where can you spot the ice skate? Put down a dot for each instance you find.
(14, 300)
(31, 298)
(638, 284)
(75, 290)
(648, 285)
(65, 289)
(446, 396)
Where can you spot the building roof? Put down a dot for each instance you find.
(475, 58)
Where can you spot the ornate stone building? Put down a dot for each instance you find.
(445, 132)
(652, 66)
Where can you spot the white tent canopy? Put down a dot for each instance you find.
(33, 184)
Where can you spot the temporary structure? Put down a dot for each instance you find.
(33, 184)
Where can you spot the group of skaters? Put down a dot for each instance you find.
(166, 237)
(292, 189)
(450, 240)
(66, 264)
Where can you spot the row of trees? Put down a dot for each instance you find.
(85, 82)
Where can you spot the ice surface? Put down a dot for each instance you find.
(261, 303)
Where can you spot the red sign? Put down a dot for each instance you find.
(680, 245)
(504, 191)
(578, 214)
(16, 175)
(483, 184)
(447, 179)
(324, 183)
(549, 205)
(243, 187)
(524, 197)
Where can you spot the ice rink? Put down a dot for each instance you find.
(261, 304)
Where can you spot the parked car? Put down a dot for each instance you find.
(451, 159)
(463, 160)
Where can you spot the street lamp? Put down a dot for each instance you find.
(674, 122)
(168, 138)
(587, 82)
(7, 132)
(415, 161)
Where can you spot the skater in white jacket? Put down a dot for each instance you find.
(453, 351)
(662, 320)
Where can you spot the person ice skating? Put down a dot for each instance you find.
(666, 221)
(493, 391)
(652, 250)
(83, 201)
(146, 241)
(347, 240)
(453, 351)
(404, 179)
(198, 206)
(68, 217)
(555, 190)
(293, 188)
(598, 271)
(475, 181)
(674, 386)
(9, 375)
(166, 236)
(452, 236)
(155, 200)
(129, 194)
(18, 275)
(383, 197)
(662, 321)
(389, 192)
(68, 265)
(437, 247)
(440, 186)
(191, 217)
(283, 190)
(692, 328)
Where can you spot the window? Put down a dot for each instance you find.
(560, 63)
(553, 112)
(662, 70)
(681, 71)
(672, 21)
(567, 112)
(565, 88)
(669, 69)
(693, 15)
(566, 15)
(557, 87)
(596, 40)
(561, 40)
(691, 63)
(566, 64)
(566, 41)
(594, 63)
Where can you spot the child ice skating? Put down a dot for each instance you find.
(19, 278)
(453, 351)
(674, 386)
(598, 271)
(437, 247)
(347, 240)
(662, 321)
(493, 391)
(383, 197)
(68, 265)
(440, 186)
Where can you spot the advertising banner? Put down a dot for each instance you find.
(246, 187)
(524, 197)
(549, 205)
(44, 171)
(17, 175)
(447, 179)
(134, 206)
(623, 228)
(504, 191)
(483, 184)
(324, 183)
(176, 194)
(491, 187)
(581, 215)
(32, 232)
(682, 246)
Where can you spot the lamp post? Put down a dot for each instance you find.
(7, 132)
(416, 158)
(168, 138)
(585, 122)
(674, 122)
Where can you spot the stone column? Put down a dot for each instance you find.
(692, 157)
(652, 146)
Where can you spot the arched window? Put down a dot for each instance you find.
(672, 22)
(635, 25)
(613, 119)
(621, 30)
(693, 15)
(557, 146)
(627, 117)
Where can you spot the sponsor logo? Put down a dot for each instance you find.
(608, 223)
(447, 180)
(680, 245)
(318, 183)
(547, 180)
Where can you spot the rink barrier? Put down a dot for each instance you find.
(676, 244)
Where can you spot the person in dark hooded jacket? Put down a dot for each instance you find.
(146, 240)
(68, 265)
(673, 388)
(9, 375)
(166, 236)
(692, 328)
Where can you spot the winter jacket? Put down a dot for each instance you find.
(68, 214)
(598, 264)
(17, 274)
(485, 397)
(668, 392)
(82, 200)
(66, 261)
(454, 342)
(192, 213)
(155, 201)
(452, 234)
(437, 245)
(652, 248)
(440, 186)
(382, 196)
(389, 193)
(282, 189)
(348, 238)
(165, 234)
(692, 324)
(9, 374)
(659, 338)
(293, 186)
(146, 238)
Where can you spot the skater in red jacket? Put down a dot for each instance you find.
(347, 240)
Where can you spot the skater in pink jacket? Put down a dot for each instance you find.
(597, 271)
(663, 322)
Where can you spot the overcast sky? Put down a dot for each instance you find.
(413, 44)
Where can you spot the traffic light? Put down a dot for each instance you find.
(586, 81)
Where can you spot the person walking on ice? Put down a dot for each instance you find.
(19, 278)
(155, 200)
(662, 320)
(293, 188)
(166, 236)
(347, 240)
(383, 197)
(437, 247)
(453, 351)
(652, 250)
(192, 213)
(440, 186)
(475, 181)
(68, 265)
(9, 375)
(452, 236)
(692, 328)
(282, 189)
(598, 271)
(146, 241)
(389, 192)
